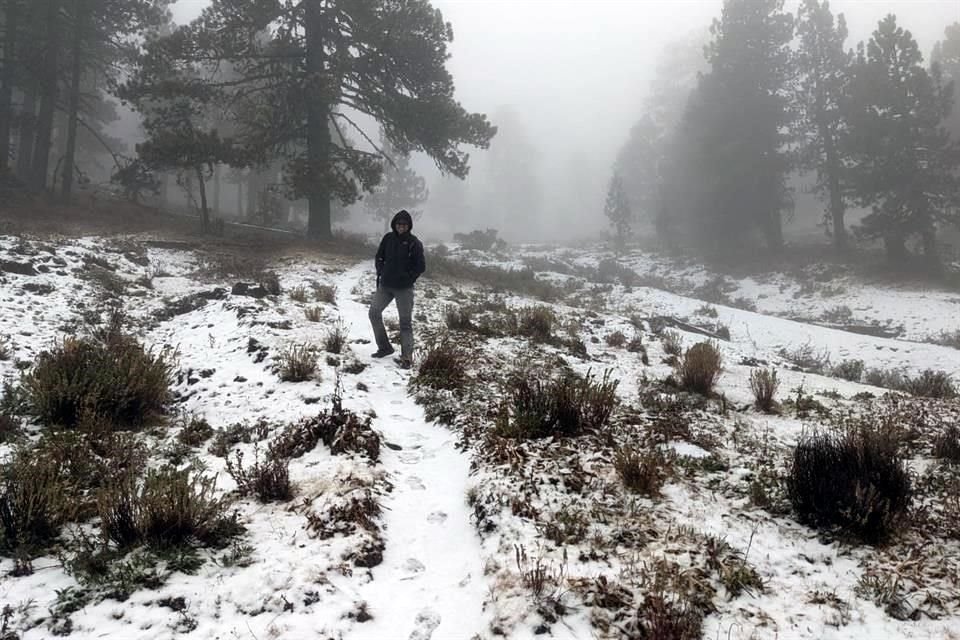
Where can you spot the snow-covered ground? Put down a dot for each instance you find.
(481, 535)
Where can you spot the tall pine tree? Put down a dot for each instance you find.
(617, 210)
(304, 68)
(904, 165)
(400, 187)
(824, 68)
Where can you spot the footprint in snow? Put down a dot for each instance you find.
(410, 457)
(437, 517)
(415, 483)
(426, 623)
(414, 567)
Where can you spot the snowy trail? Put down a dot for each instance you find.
(430, 583)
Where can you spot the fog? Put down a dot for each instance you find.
(572, 76)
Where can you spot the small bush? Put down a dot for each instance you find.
(168, 508)
(807, 358)
(616, 339)
(885, 378)
(946, 444)
(325, 293)
(536, 323)
(313, 314)
(855, 481)
(700, 367)
(195, 432)
(480, 240)
(297, 363)
(299, 294)
(458, 318)
(567, 406)
(931, 384)
(33, 503)
(341, 430)
(115, 379)
(947, 339)
(444, 366)
(642, 472)
(269, 481)
(270, 283)
(672, 343)
(764, 384)
(335, 339)
(851, 370)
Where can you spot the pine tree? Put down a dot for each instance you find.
(617, 210)
(824, 68)
(400, 187)
(304, 67)
(726, 173)
(946, 54)
(904, 165)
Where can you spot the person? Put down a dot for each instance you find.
(399, 262)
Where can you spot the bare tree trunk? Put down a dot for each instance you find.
(204, 211)
(70, 155)
(318, 126)
(48, 97)
(216, 190)
(253, 194)
(840, 242)
(11, 19)
(239, 198)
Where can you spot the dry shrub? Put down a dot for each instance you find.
(931, 384)
(313, 314)
(444, 365)
(458, 318)
(297, 362)
(340, 429)
(807, 358)
(616, 339)
(764, 384)
(335, 339)
(114, 378)
(195, 432)
(885, 378)
(299, 294)
(325, 293)
(644, 471)
(854, 481)
(567, 406)
(700, 367)
(946, 444)
(850, 370)
(672, 343)
(167, 508)
(33, 504)
(268, 481)
(536, 323)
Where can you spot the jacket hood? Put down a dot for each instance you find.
(402, 216)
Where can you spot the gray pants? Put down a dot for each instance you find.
(383, 297)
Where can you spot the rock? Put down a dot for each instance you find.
(22, 268)
(244, 289)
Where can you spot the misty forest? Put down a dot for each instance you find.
(600, 320)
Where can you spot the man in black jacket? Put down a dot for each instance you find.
(399, 263)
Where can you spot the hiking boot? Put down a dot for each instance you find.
(383, 353)
(405, 363)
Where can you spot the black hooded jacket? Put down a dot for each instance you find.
(400, 258)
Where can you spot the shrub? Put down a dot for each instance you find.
(700, 367)
(536, 323)
(567, 406)
(269, 481)
(851, 370)
(168, 508)
(642, 472)
(764, 384)
(341, 430)
(444, 365)
(195, 432)
(33, 503)
(115, 379)
(616, 339)
(298, 294)
(854, 481)
(672, 343)
(313, 314)
(807, 358)
(325, 293)
(480, 240)
(946, 444)
(458, 318)
(931, 384)
(335, 339)
(297, 362)
(885, 378)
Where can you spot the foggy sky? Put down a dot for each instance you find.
(577, 71)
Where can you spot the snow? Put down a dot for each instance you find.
(457, 568)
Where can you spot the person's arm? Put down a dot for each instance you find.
(419, 261)
(381, 257)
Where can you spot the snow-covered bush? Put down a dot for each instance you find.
(764, 385)
(700, 367)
